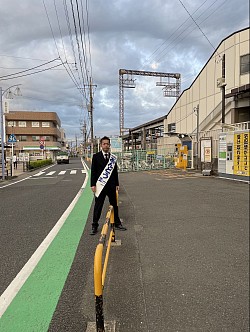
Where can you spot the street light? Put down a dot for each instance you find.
(10, 95)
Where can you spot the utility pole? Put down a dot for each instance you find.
(76, 144)
(91, 119)
(84, 132)
(223, 88)
(196, 109)
(90, 110)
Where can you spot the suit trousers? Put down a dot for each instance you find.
(99, 201)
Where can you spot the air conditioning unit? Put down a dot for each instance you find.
(220, 82)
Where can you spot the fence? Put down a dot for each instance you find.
(101, 269)
(142, 160)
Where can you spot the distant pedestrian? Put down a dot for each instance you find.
(14, 160)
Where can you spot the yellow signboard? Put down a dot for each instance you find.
(242, 154)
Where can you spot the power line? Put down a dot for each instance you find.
(51, 27)
(197, 25)
(39, 71)
(20, 57)
(87, 14)
(175, 32)
(187, 32)
(23, 71)
(60, 30)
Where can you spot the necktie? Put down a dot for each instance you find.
(106, 156)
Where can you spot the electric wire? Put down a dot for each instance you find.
(51, 28)
(78, 45)
(36, 72)
(71, 40)
(79, 52)
(174, 32)
(66, 61)
(197, 25)
(63, 63)
(58, 22)
(87, 15)
(23, 71)
(187, 32)
(80, 29)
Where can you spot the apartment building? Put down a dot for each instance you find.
(37, 133)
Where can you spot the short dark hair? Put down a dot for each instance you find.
(105, 138)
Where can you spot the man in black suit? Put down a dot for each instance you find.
(102, 162)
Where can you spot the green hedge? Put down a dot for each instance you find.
(39, 163)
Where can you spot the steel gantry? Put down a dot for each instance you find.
(170, 88)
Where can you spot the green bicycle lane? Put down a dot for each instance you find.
(33, 307)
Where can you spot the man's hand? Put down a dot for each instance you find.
(117, 188)
(93, 189)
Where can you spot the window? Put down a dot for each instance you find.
(245, 64)
(45, 124)
(35, 124)
(22, 138)
(11, 123)
(22, 123)
(47, 138)
(36, 138)
(171, 127)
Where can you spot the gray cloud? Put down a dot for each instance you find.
(142, 35)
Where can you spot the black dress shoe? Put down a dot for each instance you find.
(120, 227)
(93, 231)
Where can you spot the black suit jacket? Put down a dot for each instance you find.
(97, 166)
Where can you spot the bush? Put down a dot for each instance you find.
(39, 163)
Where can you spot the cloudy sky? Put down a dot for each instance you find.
(53, 48)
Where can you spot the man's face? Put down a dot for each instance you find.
(105, 145)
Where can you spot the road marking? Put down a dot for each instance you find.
(38, 174)
(50, 173)
(30, 300)
(73, 171)
(108, 325)
(62, 173)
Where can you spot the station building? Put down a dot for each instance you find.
(211, 117)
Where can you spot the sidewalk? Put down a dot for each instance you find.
(183, 263)
(16, 172)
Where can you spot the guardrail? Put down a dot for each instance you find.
(99, 269)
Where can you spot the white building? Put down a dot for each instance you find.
(205, 96)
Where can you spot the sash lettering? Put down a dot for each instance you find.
(106, 173)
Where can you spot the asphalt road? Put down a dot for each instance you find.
(29, 210)
(183, 263)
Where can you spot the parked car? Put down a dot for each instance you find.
(62, 157)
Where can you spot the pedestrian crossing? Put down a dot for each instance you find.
(58, 173)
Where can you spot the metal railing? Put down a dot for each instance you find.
(101, 269)
(143, 160)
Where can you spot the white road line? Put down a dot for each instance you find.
(62, 173)
(38, 174)
(14, 287)
(73, 171)
(50, 173)
(84, 171)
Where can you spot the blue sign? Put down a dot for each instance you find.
(41, 147)
(12, 138)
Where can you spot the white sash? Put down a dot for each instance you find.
(106, 173)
